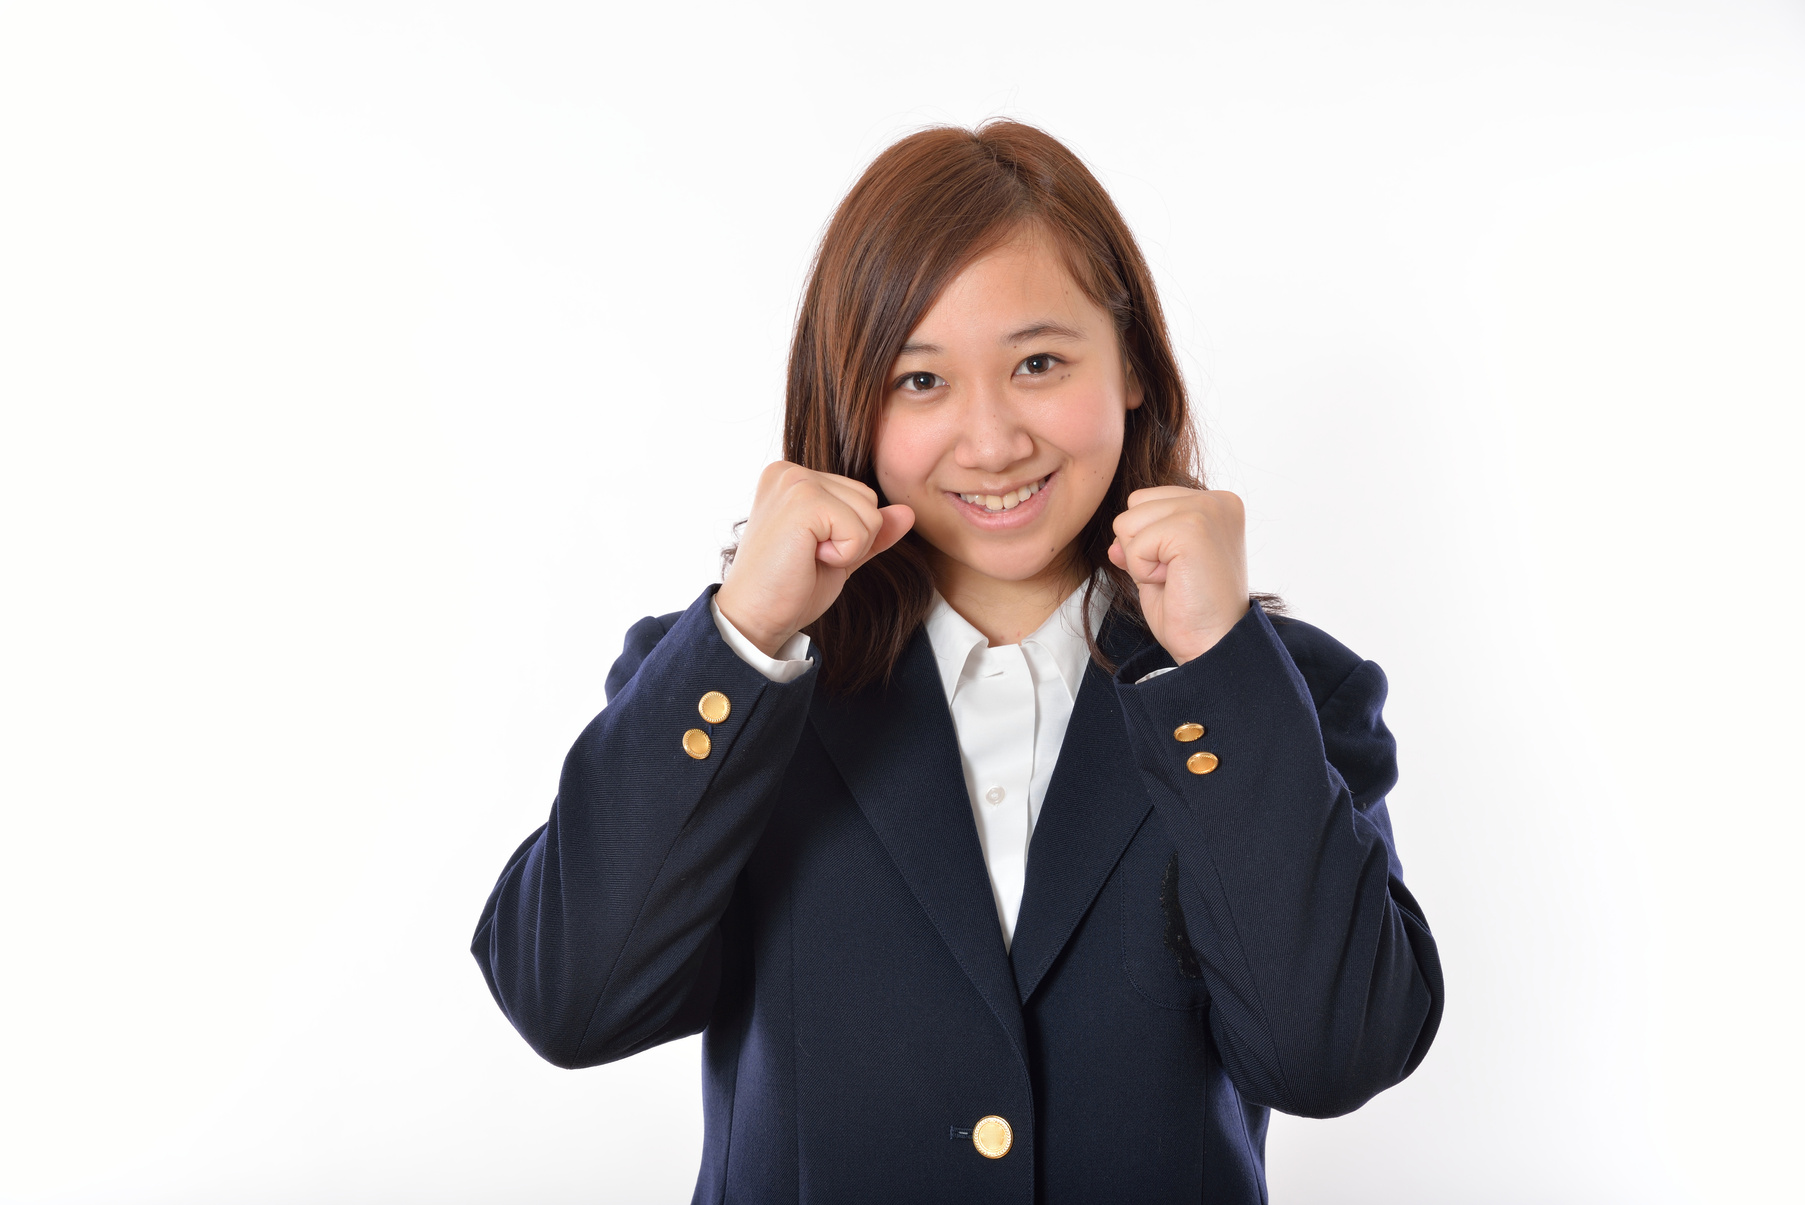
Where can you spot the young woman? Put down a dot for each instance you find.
(1001, 845)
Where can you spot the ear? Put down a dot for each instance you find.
(1134, 389)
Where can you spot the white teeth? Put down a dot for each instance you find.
(1009, 501)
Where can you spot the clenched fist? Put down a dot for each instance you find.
(1187, 551)
(807, 533)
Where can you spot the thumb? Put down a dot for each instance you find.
(897, 519)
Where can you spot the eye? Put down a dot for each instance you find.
(920, 382)
(1035, 366)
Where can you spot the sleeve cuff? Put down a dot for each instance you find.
(1152, 660)
(790, 663)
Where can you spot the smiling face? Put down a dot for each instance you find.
(1003, 421)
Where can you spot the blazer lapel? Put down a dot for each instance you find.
(1093, 808)
(898, 752)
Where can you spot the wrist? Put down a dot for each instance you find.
(1196, 644)
(765, 641)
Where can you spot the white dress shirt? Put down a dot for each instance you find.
(1010, 707)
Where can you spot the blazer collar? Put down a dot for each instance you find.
(898, 753)
(1094, 806)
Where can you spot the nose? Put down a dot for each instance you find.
(994, 436)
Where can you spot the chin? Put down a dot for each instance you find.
(1010, 569)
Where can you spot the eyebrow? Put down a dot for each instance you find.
(1040, 330)
(1045, 330)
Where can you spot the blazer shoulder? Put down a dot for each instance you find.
(1324, 661)
(641, 639)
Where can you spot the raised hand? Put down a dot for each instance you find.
(808, 532)
(1187, 551)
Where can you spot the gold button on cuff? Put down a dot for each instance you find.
(696, 743)
(1187, 732)
(993, 1137)
(714, 707)
(1201, 763)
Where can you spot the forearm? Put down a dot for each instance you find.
(1323, 975)
(599, 938)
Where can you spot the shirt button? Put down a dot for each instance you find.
(994, 795)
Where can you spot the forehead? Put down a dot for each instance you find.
(1020, 283)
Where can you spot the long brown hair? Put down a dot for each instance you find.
(925, 209)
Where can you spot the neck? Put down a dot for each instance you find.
(1006, 611)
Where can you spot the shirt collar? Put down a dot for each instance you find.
(954, 639)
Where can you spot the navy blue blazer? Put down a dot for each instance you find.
(1192, 950)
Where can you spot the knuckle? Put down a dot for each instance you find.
(857, 485)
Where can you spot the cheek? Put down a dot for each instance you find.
(1090, 431)
(903, 456)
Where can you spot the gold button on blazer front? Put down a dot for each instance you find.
(696, 743)
(1187, 732)
(993, 1137)
(714, 707)
(1201, 763)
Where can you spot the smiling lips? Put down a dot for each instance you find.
(1009, 501)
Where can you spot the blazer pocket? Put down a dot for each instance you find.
(1157, 952)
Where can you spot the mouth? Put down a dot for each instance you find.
(1011, 509)
(1008, 501)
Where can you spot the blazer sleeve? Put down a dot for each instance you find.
(603, 935)
(1324, 981)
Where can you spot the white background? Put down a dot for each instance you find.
(368, 370)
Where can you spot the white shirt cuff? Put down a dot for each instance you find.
(790, 663)
(1156, 673)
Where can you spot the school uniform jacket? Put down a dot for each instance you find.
(1192, 950)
